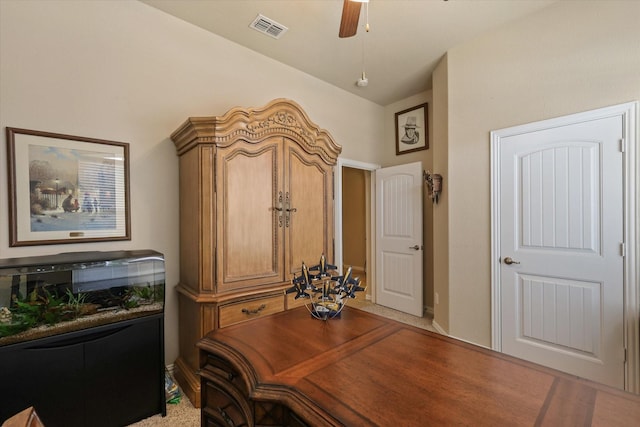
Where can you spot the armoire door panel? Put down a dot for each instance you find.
(310, 202)
(248, 221)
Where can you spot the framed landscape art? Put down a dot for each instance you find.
(66, 189)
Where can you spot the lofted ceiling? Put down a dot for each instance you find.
(406, 40)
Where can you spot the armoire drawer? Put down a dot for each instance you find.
(250, 309)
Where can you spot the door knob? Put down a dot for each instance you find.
(508, 260)
(415, 247)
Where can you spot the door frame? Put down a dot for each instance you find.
(371, 235)
(631, 221)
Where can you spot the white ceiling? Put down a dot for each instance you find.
(406, 40)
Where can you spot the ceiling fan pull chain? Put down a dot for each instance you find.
(366, 10)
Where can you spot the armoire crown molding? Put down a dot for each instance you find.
(280, 117)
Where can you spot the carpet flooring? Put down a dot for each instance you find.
(182, 414)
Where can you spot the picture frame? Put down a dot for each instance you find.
(66, 189)
(412, 129)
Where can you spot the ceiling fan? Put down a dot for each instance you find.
(350, 16)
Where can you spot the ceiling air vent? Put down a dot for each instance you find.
(268, 26)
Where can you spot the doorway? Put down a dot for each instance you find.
(355, 219)
(358, 179)
(393, 287)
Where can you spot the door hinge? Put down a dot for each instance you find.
(625, 355)
(623, 250)
(622, 145)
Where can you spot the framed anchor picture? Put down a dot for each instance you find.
(412, 129)
(66, 189)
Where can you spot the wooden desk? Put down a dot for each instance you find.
(363, 369)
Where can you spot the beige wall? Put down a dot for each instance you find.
(441, 211)
(123, 71)
(570, 57)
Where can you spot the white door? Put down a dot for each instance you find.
(561, 234)
(399, 238)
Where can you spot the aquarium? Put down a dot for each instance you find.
(49, 295)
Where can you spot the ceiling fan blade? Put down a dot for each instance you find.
(350, 16)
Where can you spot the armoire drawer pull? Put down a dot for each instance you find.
(255, 311)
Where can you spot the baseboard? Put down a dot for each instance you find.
(188, 381)
(438, 328)
(469, 342)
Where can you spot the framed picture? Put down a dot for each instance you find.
(412, 130)
(66, 189)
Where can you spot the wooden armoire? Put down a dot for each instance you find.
(256, 200)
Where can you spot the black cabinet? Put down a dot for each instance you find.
(110, 375)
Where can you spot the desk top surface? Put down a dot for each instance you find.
(363, 369)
